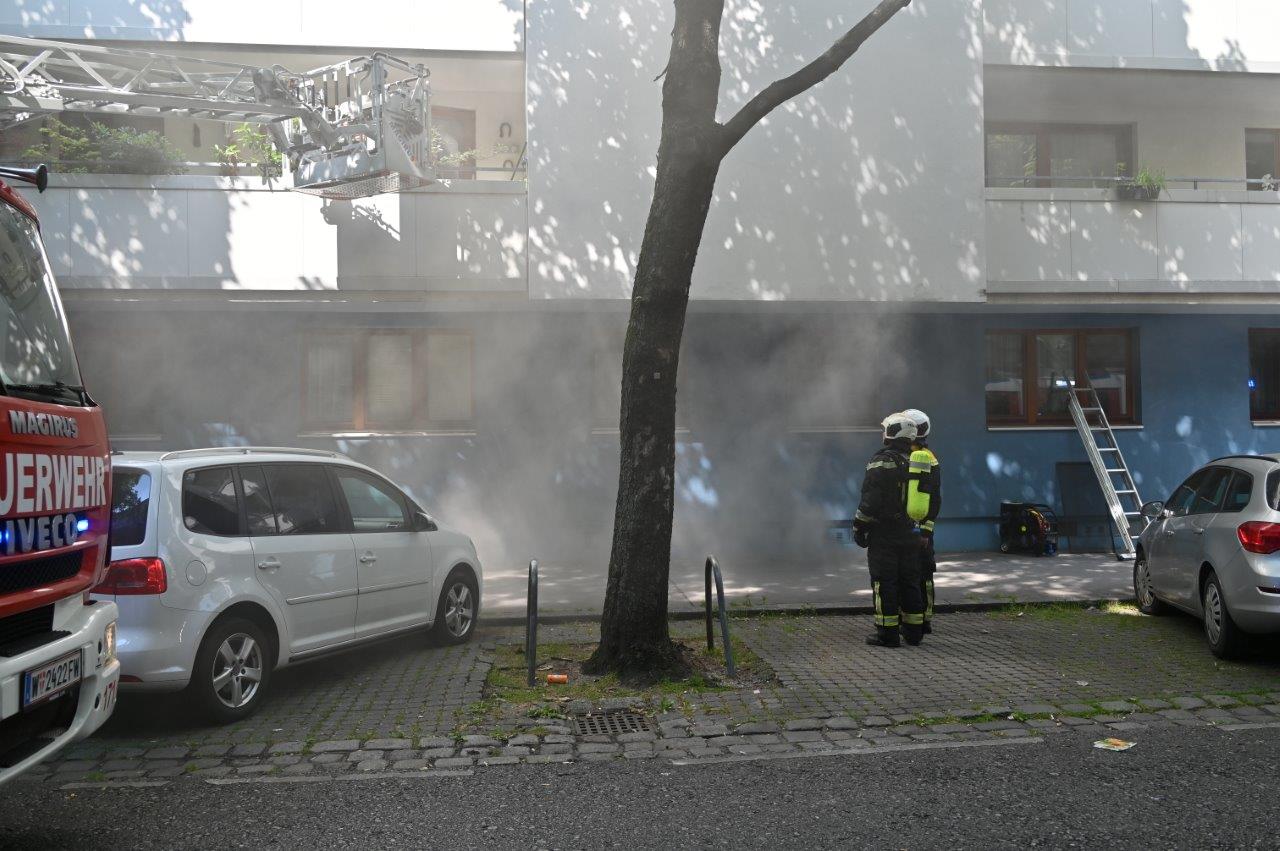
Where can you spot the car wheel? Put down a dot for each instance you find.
(1224, 636)
(1148, 603)
(458, 609)
(232, 670)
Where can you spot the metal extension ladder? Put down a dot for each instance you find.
(1109, 466)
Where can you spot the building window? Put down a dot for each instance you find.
(1262, 157)
(1264, 374)
(1030, 374)
(455, 131)
(388, 380)
(1062, 155)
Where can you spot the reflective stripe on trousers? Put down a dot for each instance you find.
(881, 619)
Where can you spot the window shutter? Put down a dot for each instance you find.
(389, 380)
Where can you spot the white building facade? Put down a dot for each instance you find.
(939, 225)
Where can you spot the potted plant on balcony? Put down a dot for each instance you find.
(1146, 185)
(249, 146)
(102, 149)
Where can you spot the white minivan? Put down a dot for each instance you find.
(227, 563)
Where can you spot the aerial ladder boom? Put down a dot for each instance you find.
(349, 130)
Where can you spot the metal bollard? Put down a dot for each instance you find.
(531, 622)
(713, 570)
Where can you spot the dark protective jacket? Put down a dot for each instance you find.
(932, 485)
(883, 509)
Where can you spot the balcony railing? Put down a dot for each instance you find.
(1112, 181)
(1218, 241)
(483, 172)
(191, 232)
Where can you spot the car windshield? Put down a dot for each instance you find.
(36, 358)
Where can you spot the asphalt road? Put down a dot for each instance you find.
(1187, 787)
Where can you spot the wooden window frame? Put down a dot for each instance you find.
(360, 420)
(1031, 386)
(1266, 416)
(1043, 132)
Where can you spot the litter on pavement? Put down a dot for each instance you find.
(1113, 744)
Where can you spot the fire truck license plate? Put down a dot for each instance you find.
(40, 684)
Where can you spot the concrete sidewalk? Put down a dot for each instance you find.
(963, 578)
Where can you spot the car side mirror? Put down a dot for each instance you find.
(1152, 510)
(423, 522)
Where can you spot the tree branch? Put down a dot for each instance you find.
(781, 91)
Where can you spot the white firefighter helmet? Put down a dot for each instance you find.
(921, 419)
(898, 427)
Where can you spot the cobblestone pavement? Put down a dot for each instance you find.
(400, 707)
(403, 687)
(1049, 655)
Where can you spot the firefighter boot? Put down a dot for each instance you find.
(884, 636)
(913, 634)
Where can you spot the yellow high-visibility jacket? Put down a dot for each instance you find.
(924, 487)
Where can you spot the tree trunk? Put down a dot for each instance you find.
(634, 640)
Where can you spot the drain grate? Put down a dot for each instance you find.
(610, 724)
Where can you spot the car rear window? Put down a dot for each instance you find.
(1273, 490)
(130, 496)
(209, 503)
(1239, 493)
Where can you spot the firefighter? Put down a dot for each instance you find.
(926, 479)
(892, 538)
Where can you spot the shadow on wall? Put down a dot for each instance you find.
(867, 187)
(168, 19)
(491, 25)
(450, 239)
(1219, 34)
(100, 236)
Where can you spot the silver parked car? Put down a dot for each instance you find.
(227, 563)
(1213, 550)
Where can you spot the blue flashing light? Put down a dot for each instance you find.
(82, 525)
(1253, 384)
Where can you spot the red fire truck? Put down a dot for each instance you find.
(58, 668)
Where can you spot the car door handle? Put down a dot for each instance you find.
(269, 563)
(1198, 531)
(368, 558)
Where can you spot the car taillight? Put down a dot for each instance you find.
(134, 576)
(1257, 536)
